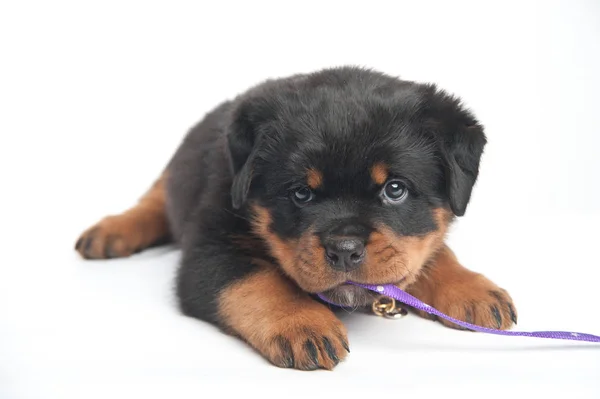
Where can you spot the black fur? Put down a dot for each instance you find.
(339, 121)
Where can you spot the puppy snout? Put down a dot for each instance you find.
(344, 253)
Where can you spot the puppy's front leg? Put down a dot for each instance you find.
(285, 325)
(465, 295)
(250, 298)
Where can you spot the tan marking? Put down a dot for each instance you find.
(133, 230)
(314, 178)
(303, 260)
(379, 173)
(266, 309)
(462, 294)
(393, 258)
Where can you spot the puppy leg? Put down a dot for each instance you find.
(138, 228)
(465, 295)
(251, 299)
(285, 325)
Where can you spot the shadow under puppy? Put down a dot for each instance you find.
(301, 184)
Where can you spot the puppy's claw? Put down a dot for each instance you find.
(312, 352)
(87, 246)
(468, 315)
(345, 345)
(513, 315)
(287, 355)
(330, 351)
(108, 251)
(497, 316)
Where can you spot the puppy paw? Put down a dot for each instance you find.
(284, 324)
(306, 342)
(475, 300)
(112, 237)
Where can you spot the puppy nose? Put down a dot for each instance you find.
(345, 253)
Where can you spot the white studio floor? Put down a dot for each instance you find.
(72, 328)
(95, 99)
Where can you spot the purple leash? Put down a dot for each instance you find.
(400, 295)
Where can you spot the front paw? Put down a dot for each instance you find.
(306, 341)
(476, 300)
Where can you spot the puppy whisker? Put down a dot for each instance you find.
(238, 216)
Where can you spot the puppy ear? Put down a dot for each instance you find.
(462, 150)
(241, 186)
(241, 139)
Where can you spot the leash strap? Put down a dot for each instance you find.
(404, 297)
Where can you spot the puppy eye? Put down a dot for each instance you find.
(395, 191)
(303, 195)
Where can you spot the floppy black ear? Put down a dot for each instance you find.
(462, 150)
(241, 138)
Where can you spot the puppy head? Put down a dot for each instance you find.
(351, 174)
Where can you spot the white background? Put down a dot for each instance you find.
(95, 96)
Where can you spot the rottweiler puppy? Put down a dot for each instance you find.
(301, 184)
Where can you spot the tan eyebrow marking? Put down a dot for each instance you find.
(379, 173)
(314, 178)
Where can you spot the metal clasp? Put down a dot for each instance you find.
(386, 307)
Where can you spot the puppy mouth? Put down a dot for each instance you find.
(349, 295)
(352, 296)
